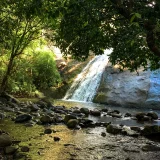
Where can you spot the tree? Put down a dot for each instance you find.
(35, 69)
(130, 27)
(19, 26)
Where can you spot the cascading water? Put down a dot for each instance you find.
(87, 82)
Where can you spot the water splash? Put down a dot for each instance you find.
(86, 84)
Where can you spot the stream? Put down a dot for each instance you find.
(124, 121)
(84, 144)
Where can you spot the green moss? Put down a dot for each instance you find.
(100, 98)
(42, 146)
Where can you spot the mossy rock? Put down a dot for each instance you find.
(72, 123)
(140, 116)
(68, 117)
(85, 111)
(100, 98)
(46, 119)
(114, 129)
(5, 140)
(150, 129)
(153, 115)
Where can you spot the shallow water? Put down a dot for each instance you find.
(84, 144)
(123, 110)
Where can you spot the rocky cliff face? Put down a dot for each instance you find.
(129, 89)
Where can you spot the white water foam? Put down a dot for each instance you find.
(86, 84)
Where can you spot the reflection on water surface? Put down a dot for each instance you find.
(123, 110)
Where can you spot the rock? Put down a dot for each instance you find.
(34, 107)
(99, 124)
(11, 149)
(30, 124)
(135, 128)
(86, 121)
(77, 127)
(59, 111)
(56, 139)
(106, 124)
(128, 115)
(100, 98)
(140, 116)
(103, 134)
(153, 115)
(36, 114)
(138, 91)
(95, 113)
(8, 109)
(60, 107)
(77, 111)
(134, 118)
(127, 131)
(114, 129)
(25, 149)
(130, 149)
(48, 131)
(23, 118)
(46, 119)
(116, 115)
(68, 117)
(49, 104)
(150, 130)
(13, 105)
(58, 119)
(147, 118)
(151, 147)
(20, 155)
(72, 123)
(104, 110)
(85, 111)
(5, 140)
(116, 111)
(79, 114)
(25, 110)
(42, 104)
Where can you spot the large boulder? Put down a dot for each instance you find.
(129, 88)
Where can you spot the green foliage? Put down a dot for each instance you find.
(130, 28)
(19, 26)
(35, 69)
(45, 73)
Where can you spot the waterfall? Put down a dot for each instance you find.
(86, 84)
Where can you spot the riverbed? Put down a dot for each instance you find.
(124, 121)
(87, 143)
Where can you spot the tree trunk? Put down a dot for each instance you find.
(6, 76)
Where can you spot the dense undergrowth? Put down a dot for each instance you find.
(37, 73)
